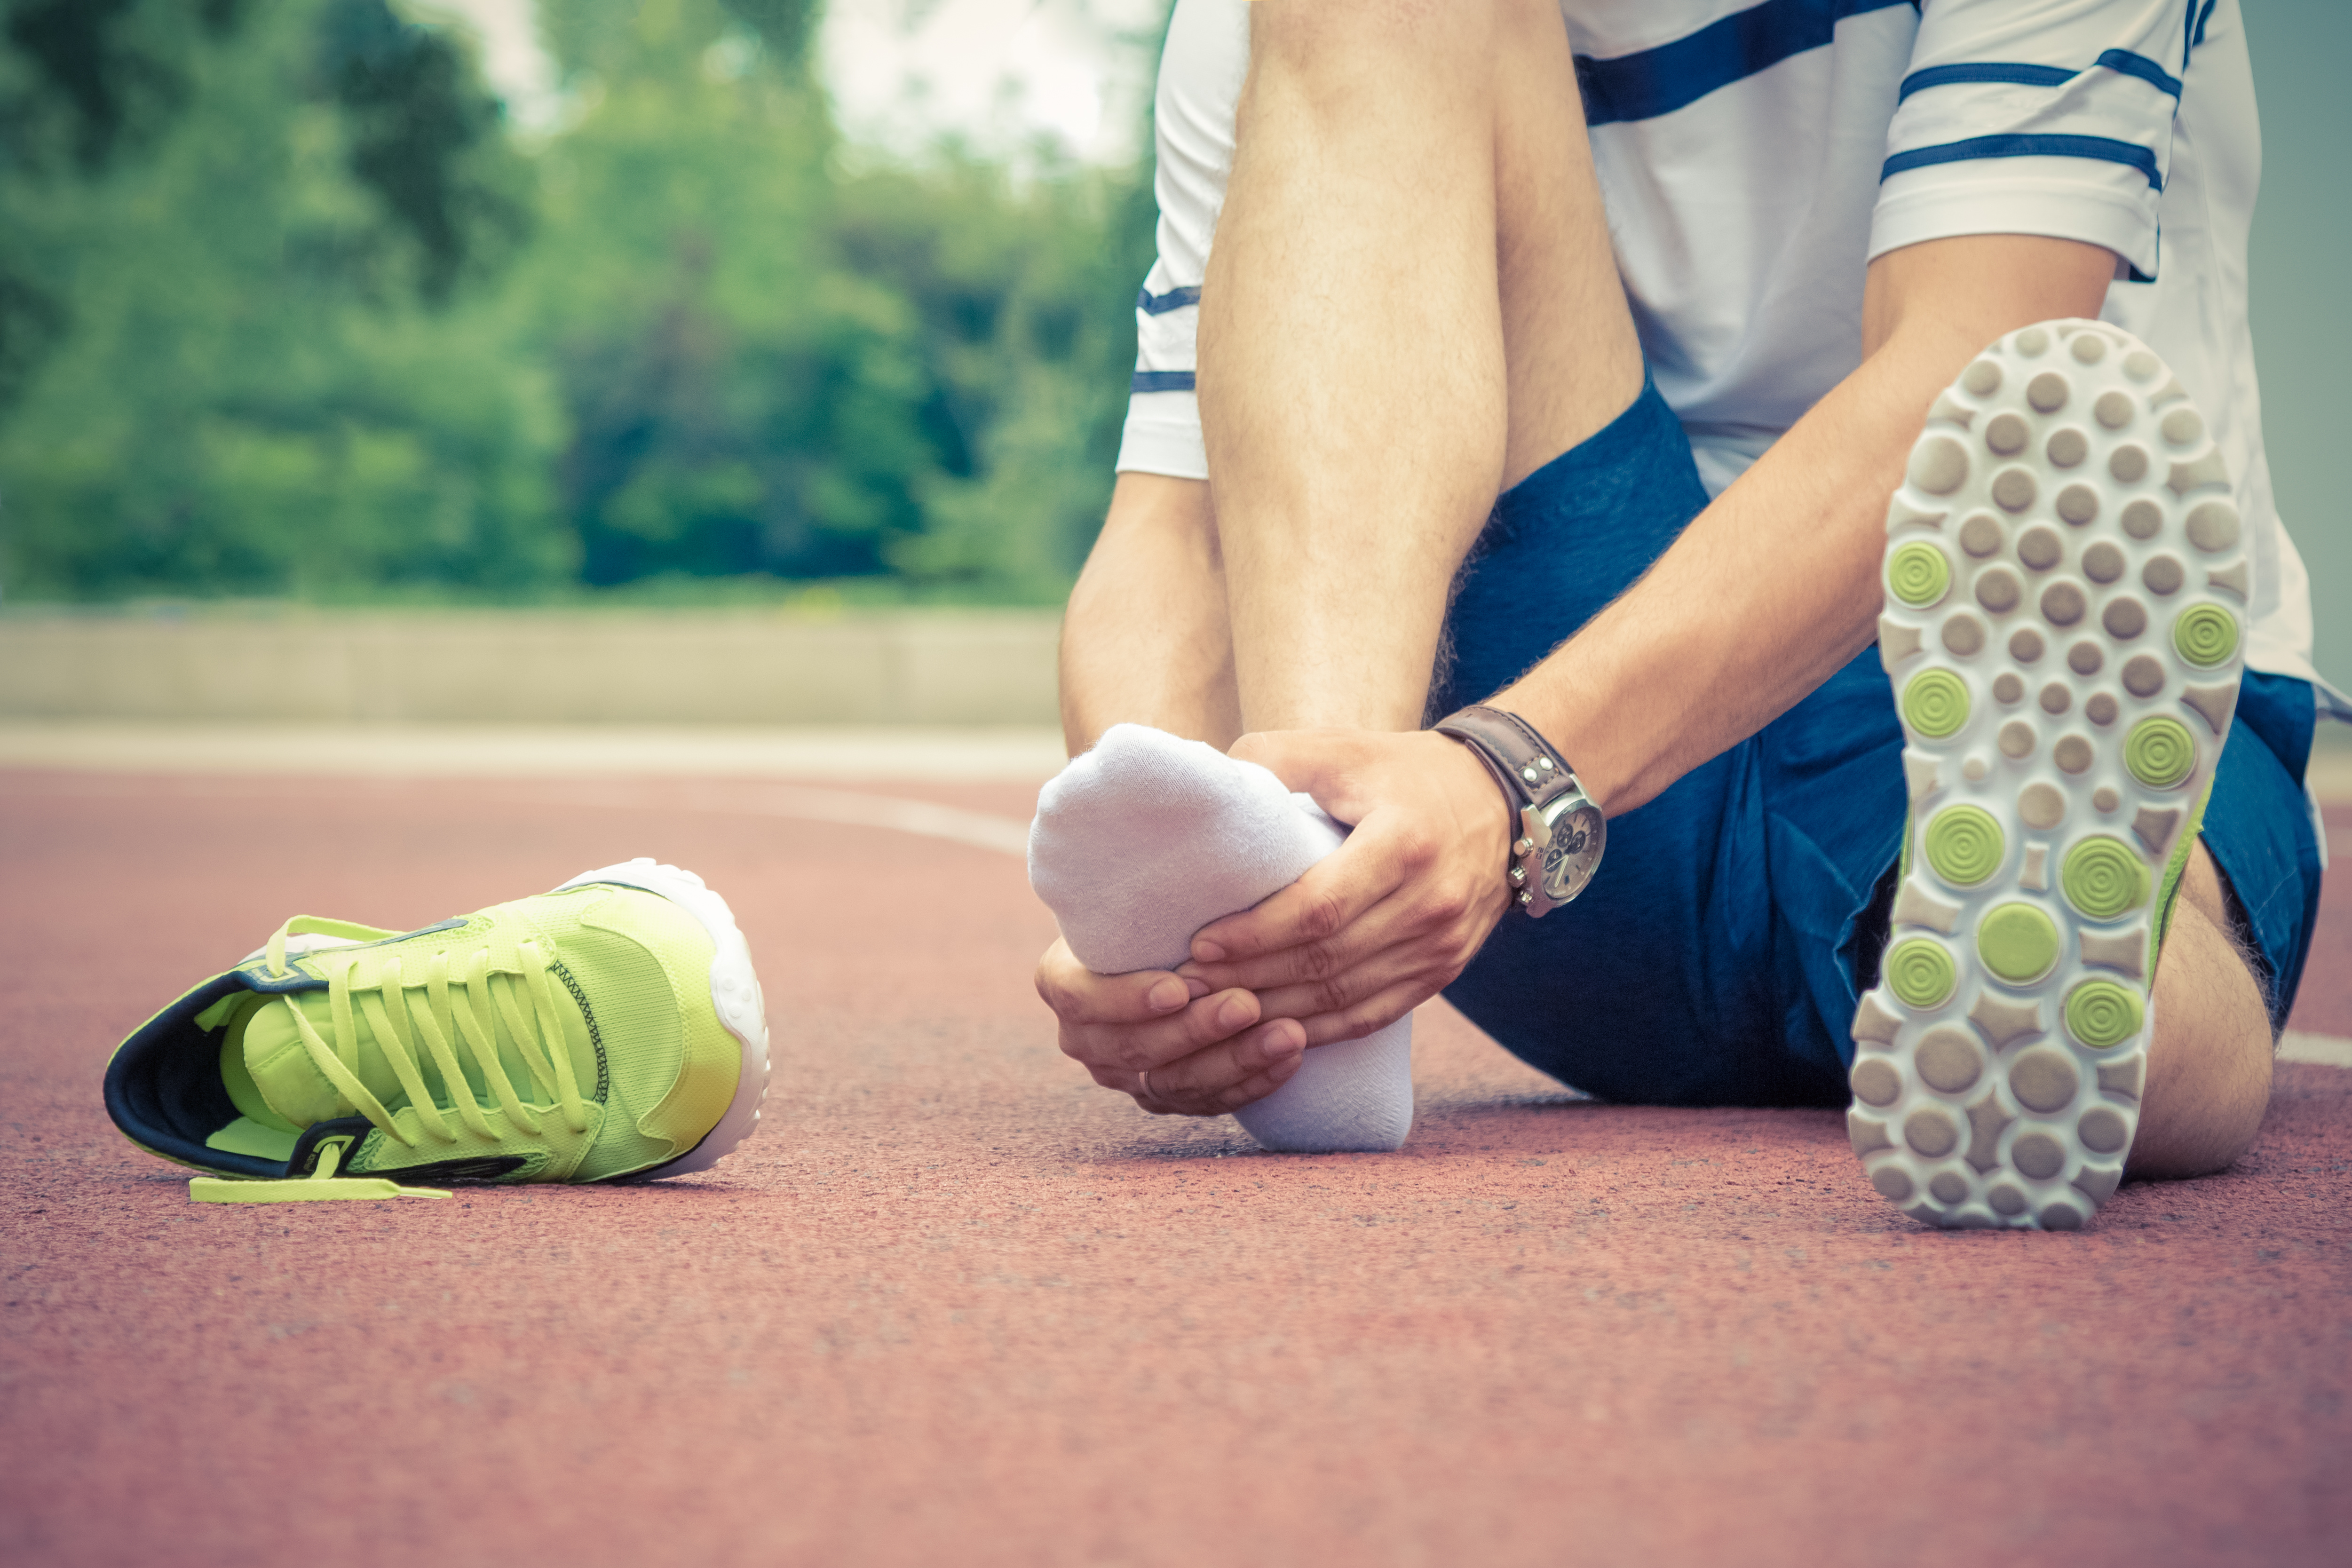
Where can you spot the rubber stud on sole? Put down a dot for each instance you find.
(2102, 1130)
(2040, 1156)
(2018, 943)
(1921, 972)
(1875, 1081)
(2206, 635)
(1936, 703)
(1948, 1060)
(2044, 1079)
(1918, 574)
(1964, 845)
(2103, 879)
(2103, 1015)
(2159, 751)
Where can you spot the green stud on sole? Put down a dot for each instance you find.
(2018, 943)
(1920, 972)
(2102, 1013)
(2159, 751)
(1918, 574)
(2205, 635)
(1936, 703)
(1964, 845)
(2103, 879)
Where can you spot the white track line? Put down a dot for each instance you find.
(843, 754)
(979, 829)
(2324, 1050)
(803, 803)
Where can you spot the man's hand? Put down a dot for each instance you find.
(1388, 921)
(1204, 1049)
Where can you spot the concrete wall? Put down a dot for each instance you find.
(654, 667)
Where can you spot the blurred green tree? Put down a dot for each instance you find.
(293, 312)
(774, 366)
(256, 384)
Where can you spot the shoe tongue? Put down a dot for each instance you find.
(291, 1084)
(289, 1081)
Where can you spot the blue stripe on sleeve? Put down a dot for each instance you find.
(1673, 76)
(2103, 148)
(1984, 70)
(2123, 62)
(1153, 304)
(1161, 381)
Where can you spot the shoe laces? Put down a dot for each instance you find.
(445, 1014)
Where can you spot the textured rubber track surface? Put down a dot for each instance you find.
(955, 1305)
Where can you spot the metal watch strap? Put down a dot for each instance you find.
(1562, 831)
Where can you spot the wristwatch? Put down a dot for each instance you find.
(1561, 832)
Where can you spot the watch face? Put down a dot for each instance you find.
(1570, 859)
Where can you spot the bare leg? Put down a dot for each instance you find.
(1146, 640)
(1410, 194)
(1411, 190)
(2209, 1066)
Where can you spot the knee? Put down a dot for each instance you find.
(2209, 1069)
(1388, 44)
(2206, 1138)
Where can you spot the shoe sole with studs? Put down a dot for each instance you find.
(2064, 627)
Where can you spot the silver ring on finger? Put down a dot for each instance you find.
(1143, 1083)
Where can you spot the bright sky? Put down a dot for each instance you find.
(903, 72)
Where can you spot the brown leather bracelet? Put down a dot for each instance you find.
(1561, 832)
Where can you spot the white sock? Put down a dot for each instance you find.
(1147, 839)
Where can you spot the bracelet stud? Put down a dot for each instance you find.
(1561, 828)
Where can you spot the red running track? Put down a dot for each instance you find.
(955, 1305)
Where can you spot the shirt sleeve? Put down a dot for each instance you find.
(2048, 117)
(1163, 415)
(1200, 70)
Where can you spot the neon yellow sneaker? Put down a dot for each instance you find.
(2064, 627)
(607, 1030)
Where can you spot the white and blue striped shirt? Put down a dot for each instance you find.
(1753, 159)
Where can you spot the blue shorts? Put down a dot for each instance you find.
(1714, 959)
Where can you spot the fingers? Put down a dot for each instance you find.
(1333, 894)
(1376, 1011)
(1224, 1076)
(1350, 1006)
(1428, 819)
(1178, 1047)
(1444, 924)
(1127, 1023)
(1079, 996)
(1444, 914)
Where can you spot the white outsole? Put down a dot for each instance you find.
(2079, 508)
(734, 995)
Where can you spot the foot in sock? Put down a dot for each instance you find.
(1147, 839)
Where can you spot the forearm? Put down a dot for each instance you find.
(1764, 597)
(1146, 639)
(1776, 584)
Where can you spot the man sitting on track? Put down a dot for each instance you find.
(1567, 369)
